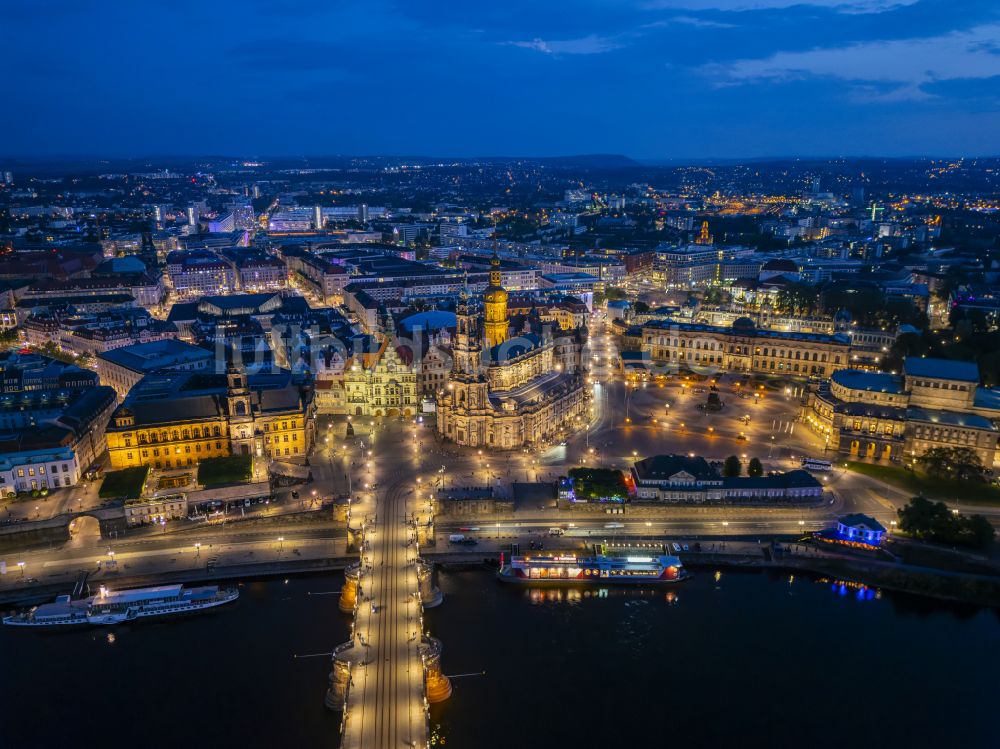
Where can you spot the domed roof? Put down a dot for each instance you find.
(780, 265)
(744, 323)
(495, 296)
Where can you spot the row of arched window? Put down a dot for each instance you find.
(177, 434)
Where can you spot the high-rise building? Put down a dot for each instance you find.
(160, 214)
(223, 223)
(243, 215)
(318, 222)
(8, 177)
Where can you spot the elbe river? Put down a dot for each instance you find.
(736, 659)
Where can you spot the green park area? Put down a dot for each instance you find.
(233, 469)
(599, 484)
(124, 484)
(918, 482)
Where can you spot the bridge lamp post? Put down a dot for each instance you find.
(21, 565)
(281, 543)
(197, 550)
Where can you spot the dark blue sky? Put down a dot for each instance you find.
(647, 78)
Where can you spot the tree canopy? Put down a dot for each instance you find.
(933, 521)
(732, 466)
(961, 463)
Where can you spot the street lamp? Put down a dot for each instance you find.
(197, 550)
(281, 543)
(21, 565)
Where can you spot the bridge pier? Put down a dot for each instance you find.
(340, 677)
(436, 685)
(430, 593)
(349, 591)
(425, 533)
(355, 539)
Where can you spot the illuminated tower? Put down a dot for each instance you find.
(467, 352)
(704, 237)
(495, 307)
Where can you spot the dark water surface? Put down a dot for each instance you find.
(745, 660)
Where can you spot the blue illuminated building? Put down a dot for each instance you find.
(861, 529)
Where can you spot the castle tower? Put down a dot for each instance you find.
(497, 324)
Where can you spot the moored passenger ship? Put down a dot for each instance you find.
(115, 607)
(603, 567)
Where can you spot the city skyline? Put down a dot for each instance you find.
(692, 79)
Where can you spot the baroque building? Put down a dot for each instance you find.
(509, 391)
(744, 347)
(173, 420)
(934, 403)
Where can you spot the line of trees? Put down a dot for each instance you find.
(961, 463)
(865, 302)
(933, 521)
(733, 466)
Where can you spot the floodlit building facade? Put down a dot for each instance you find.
(507, 391)
(934, 403)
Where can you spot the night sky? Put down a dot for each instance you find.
(652, 79)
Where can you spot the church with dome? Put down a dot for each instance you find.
(510, 387)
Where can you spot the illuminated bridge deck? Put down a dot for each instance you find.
(385, 703)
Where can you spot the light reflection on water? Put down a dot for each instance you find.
(712, 642)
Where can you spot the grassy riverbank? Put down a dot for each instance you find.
(915, 482)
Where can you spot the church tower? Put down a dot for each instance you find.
(467, 349)
(497, 324)
(703, 236)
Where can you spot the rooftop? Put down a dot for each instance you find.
(147, 357)
(950, 418)
(855, 519)
(878, 382)
(942, 369)
(663, 467)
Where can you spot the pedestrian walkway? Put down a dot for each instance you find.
(385, 704)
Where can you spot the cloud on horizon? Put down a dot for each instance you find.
(880, 70)
(588, 45)
(740, 6)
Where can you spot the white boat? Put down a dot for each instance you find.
(64, 612)
(115, 607)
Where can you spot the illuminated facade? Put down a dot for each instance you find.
(495, 318)
(515, 391)
(935, 403)
(744, 347)
(387, 386)
(174, 420)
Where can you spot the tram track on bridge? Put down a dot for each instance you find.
(379, 723)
